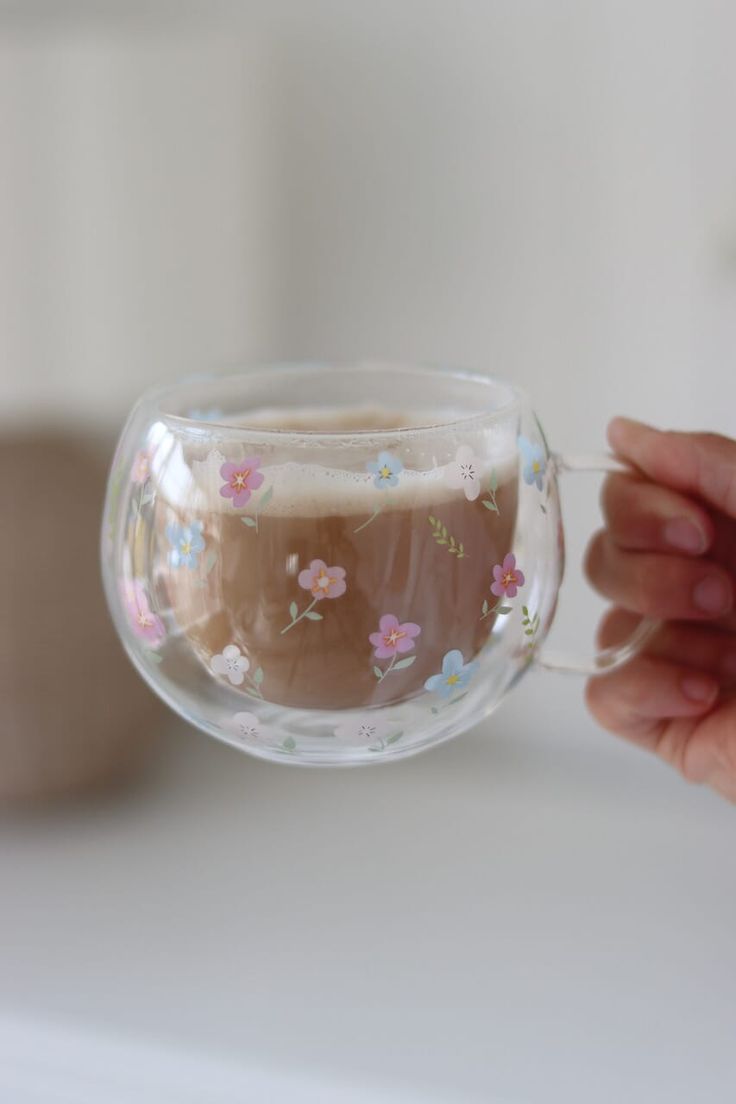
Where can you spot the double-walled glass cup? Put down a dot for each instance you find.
(336, 565)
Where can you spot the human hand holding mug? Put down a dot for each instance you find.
(669, 551)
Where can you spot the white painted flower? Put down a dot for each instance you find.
(463, 474)
(246, 726)
(363, 730)
(231, 664)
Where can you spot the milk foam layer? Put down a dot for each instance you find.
(324, 489)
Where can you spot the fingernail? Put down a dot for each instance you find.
(712, 595)
(619, 427)
(685, 535)
(699, 688)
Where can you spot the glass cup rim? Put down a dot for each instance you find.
(156, 398)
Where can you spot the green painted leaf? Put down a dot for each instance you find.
(265, 499)
(485, 607)
(289, 744)
(504, 610)
(249, 521)
(444, 530)
(293, 610)
(154, 657)
(378, 672)
(407, 662)
(528, 632)
(147, 497)
(525, 611)
(434, 709)
(393, 739)
(258, 676)
(210, 562)
(432, 520)
(494, 481)
(488, 504)
(440, 541)
(312, 615)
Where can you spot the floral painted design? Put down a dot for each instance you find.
(241, 480)
(455, 675)
(231, 665)
(393, 637)
(490, 501)
(534, 462)
(463, 474)
(141, 469)
(530, 623)
(143, 621)
(392, 641)
(385, 470)
(368, 730)
(507, 578)
(186, 544)
(246, 726)
(322, 582)
(442, 537)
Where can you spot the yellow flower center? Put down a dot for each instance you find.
(322, 582)
(240, 479)
(509, 578)
(385, 472)
(453, 680)
(186, 548)
(144, 619)
(393, 637)
(536, 466)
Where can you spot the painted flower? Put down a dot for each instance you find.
(393, 637)
(455, 675)
(364, 730)
(241, 480)
(507, 578)
(186, 544)
(385, 470)
(143, 621)
(246, 726)
(534, 462)
(323, 581)
(463, 474)
(141, 469)
(231, 664)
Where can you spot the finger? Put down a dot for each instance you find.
(700, 647)
(669, 587)
(702, 464)
(635, 700)
(641, 515)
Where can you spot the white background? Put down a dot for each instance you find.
(546, 190)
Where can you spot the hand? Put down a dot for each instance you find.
(669, 551)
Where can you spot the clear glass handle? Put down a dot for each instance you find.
(607, 659)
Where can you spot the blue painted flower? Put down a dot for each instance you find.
(386, 469)
(186, 543)
(455, 675)
(535, 463)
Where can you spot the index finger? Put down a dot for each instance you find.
(701, 464)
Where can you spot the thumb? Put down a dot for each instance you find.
(700, 464)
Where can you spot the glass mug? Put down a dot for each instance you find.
(337, 565)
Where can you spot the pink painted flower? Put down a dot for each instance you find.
(507, 578)
(144, 623)
(393, 637)
(141, 469)
(241, 480)
(323, 581)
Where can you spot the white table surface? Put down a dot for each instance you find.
(534, 913)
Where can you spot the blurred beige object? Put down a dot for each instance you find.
(73, 713)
